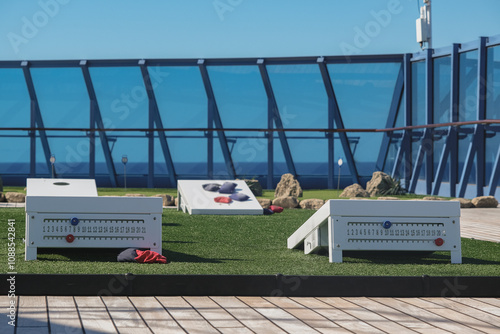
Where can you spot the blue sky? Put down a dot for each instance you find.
(98, 29)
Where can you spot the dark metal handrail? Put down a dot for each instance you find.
(402, 128)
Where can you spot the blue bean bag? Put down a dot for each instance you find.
(239, 197)
(227, 188)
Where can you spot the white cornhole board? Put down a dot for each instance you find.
(67, 213)
(192, 198)
(381, 225)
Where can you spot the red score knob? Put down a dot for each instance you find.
(70, 238)
(439, 242)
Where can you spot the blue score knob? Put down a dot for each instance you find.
(387, 224)
(74, 221)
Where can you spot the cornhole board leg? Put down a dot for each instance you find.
(456, 256)
(334, 249)
(316, 240)
(30, 253)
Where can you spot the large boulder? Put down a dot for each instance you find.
(379, 183)
(13, 197)
(485, 202)
(287, 202)
(288, 186)
(265, 203)
(2, 198)
(388, 198)
(255, 187)
(134, 195)
(354, 190)
(464, 203)
(167, 199)
(311, 203)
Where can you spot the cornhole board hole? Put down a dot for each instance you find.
(193, 199)
(68, 213)
(381, 226)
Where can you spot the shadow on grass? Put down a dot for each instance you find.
(183, 257)
(79, 254)
(179, 242)
(405, 257)
(110, 255)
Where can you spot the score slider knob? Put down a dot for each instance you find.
(70, 238)
(387, 224)
(74, 221)
(439, 242)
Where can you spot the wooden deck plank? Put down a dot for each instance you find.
(256, 302)
(242, 330)
(427, 315)
(32, 312)
(186, 316)
(460, 316)
(481, 224)
(491, 301)
(5, 312)
(454, 304)
(261, 315)
(392, 314)
(481, 305)
(89, 301)
(285, 320)
(367, 316)
(228, 302)
(94, 316)
(96, 321)
(213, 313)
(155, 316)
(32, 330)
(123, 312)
(250, 318)
(63, 315)
(340, 318)
(303, 313)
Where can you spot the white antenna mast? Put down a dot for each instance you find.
(424, 26)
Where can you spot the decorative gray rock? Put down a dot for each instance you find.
(2, 198)
(287, 202)
(265, 203)
(379, 183)
(464, 203)
(485, 202)
(388, 198)
(354, 190)
(176, 201)
(311, 203)
(167, 199)
(288, 186)
(254, 186)
(13, 197)
(433, 198)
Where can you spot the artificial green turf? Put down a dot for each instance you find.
(324, 194)
(143, 191)
(245, 245)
